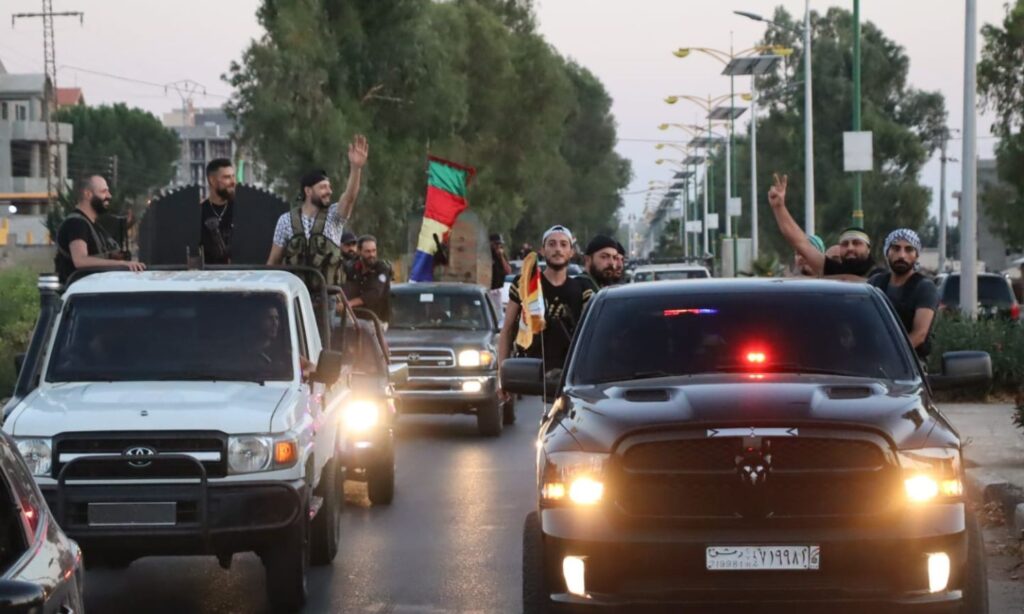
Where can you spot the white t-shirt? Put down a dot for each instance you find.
(332, 230)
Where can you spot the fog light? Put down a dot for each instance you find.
(574, 570)
(938, 571)
(472, 387)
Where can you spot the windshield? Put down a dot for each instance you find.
(659, 336)
(992, 291)
(149, 336)
(455, 311)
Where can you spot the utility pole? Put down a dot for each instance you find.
(969, 200)
(49, 89)
(185, 89)
(943, 214)
(858, 204)
(808, 126)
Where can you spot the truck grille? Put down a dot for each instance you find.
(424, 358)
(207, 446)
(695, 477)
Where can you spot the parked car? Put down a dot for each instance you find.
(40, 567)
(670, 272)
(204, 382)
(447, 333)
(749, 442)
(995, 295)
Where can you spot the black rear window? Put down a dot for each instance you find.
(663, 335)
(992, 291)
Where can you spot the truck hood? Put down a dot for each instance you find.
(402, 338)
(230, 407)
(603, 414)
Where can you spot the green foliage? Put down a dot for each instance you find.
(906, 122)
(1002, 339)
(55, 215)
(145, 149)
(468, 80)
(1001, 84)
(18, 311)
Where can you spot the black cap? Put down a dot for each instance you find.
(348, 237)
(496, 238)
(600, 242)
(309, 180)
(620, 249)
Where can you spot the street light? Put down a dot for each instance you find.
(808, 111)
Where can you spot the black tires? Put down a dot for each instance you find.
(287, 565)
(489, 420)
(380, 478)
(326, 526)
(536, 590)
(976, 573)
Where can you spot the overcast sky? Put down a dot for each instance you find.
(627, 44)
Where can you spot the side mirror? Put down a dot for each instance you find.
(963, 369)
(523, 376)
(328, 367)
(21, 597)
(19, 363)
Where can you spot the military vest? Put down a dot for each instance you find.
(316, 250)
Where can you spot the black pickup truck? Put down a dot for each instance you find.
(749, 443)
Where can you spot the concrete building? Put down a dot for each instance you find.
(992, 249)
(23, 142)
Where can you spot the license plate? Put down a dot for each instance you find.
(132, 514)
(754, 558)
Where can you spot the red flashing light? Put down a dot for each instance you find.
(30, 518)
(756, 358)
(1015, 311)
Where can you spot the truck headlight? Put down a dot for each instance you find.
(577, 477)
(931, 474)
(475, 358)
(249, 453)
(38, 455)
(360, 416)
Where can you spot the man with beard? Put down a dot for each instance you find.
(564, 300)
(218, 212)
(912, 295)
(310, 235)
(855, 263)
(349, 247)
(81, 242)
(620, 262)
(368, 281)
(601, 264)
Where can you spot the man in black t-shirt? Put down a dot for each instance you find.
(564, 300)
(854, 263)
(218, 212)
(914, 297)
(80, 241)
(499, 263)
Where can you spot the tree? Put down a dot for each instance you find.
(1001, 83)
(468, 80)
(145, 150)
(906, 123)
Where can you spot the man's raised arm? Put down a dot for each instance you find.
(791, 231)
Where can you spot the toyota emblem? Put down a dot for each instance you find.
(138, 452)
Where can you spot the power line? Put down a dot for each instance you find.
(163, 86)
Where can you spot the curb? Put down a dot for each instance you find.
(987, 487)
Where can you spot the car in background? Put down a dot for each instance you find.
(995, 296)
(670, 272)
(447, 334)
(704, 452)
(40, 567)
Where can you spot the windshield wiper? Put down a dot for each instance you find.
(203, 377)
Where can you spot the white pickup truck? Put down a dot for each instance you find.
(179, 413)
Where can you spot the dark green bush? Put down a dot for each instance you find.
(19, 307)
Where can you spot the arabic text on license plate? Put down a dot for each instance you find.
(747, 558)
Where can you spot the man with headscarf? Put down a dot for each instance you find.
(913, 296)
(600, 263)
(855, 246)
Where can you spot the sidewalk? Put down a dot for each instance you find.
(993, 453)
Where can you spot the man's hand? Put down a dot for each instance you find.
(135, 267)
(358, 151)
(777, 193)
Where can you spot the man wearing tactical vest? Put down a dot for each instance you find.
(368, 280)
(310, 235)
(913, 296)
(80, 242)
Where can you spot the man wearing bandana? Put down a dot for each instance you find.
(855, 262)
(317, 212)
(80, 241)
(913, 296)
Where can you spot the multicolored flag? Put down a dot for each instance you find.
(531, 316)
(446, 199)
